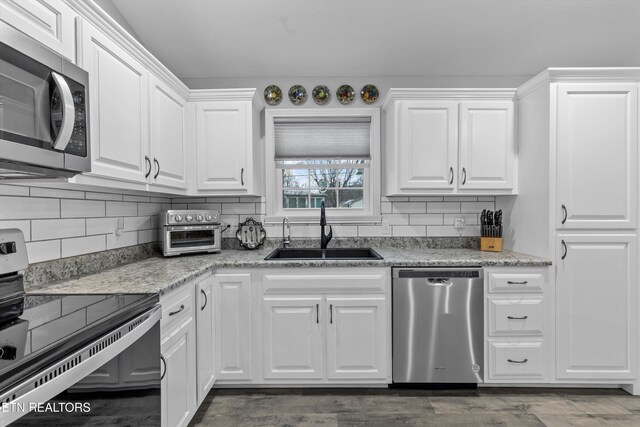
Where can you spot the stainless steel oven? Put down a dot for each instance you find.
(44, 111)
(190, 231)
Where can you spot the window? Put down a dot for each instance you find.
(329, 156)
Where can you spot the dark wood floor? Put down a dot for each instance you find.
(390, 407)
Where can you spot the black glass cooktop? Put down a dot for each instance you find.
(53, 326)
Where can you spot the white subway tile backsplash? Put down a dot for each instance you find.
(385, 207)
(487, 198)
(216, 200)
(103, 196)
(101, 225)
(476, 207)
(426, 198)
(43, 251)
(469, 219)
(47, 229)
(450, 231)
(409, 207)
(161, 200)
(343, 230)
(28, 207)
(371, 231)
(409, 230)
(146, 236)
(122, 208)
(13, 190)
(443, 207)
(81, 208)
(138, 223)
(149, 209)
(205, 206)
(425, 219)
(397, 218)
(395, 199)
(191, 200)
(22, 225)
(56, 193)
(179, 206)
(128, 238)
(461, 199)
(239, 208)
(83, 245)
(128, 198)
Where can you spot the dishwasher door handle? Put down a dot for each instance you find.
(439, 282)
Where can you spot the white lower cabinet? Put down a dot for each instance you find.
(596, 291)
(205, 345)
(178, 349)
(518, 325)
(232, 307)
(324, 326)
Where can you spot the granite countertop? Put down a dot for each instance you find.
(161, 275)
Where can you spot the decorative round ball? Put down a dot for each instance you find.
(321, 94)
(297, 94)
(369, 94)
(345, 94)
(272, 95)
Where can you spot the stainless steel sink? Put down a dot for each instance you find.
(329, 254)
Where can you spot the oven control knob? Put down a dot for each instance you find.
(178, 218)
(208, 217)
(189, 218)
(198, 218)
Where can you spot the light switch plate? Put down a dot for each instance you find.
(458, 223)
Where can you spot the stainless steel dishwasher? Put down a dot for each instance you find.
(438, 325)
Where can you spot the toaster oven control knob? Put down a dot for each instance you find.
(198, 218)
(178, 218)
(189, 218)
(208, 217)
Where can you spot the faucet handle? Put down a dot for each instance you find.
(330, 235)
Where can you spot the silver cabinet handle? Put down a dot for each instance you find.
(451, 175)
(242, 176)
(68, 113)
(565, 250)
(524, 282)
(517, 318)
(206, 300)
(164, 371)
(173, 313)
(157, 168)
(517, 361)
(330, 313)
(317, 313)
(146, 159)
(464, 176)
(564, 214)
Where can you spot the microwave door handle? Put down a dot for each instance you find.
(68, 112)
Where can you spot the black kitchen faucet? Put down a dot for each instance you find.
(324, 238)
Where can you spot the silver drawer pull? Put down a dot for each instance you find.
(517, 361)
(517, 318)
(177, 311)
(524, 282)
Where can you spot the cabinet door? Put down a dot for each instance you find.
(596, 287)
(232, 299)
(139, 364)
(292, 338)
(168, 141)
(205, 327)
(179, 381)
(487, 153)
(597, 148)
(119, 108)
(427, 145)
(357, 338)
(223, 139)
(48, 21)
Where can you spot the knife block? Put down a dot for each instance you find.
(491, 244)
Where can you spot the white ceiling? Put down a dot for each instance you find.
(300, 38)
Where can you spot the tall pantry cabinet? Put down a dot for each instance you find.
(578, 205)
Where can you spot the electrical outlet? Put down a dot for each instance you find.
(458, 223)
(386, 227)
(119, 228)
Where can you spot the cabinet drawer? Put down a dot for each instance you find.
(515, 316)
(525, 281)
(516, 360)
(319, 280)
(176, 307)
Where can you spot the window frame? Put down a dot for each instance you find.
(275, 212)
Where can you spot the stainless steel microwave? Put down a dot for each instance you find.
(44, 111)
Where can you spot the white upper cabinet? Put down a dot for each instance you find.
(168, 147)
(118, 99)
(429, 131)
(487, 149)
(597, 152)
(596, 319)
(228, 149)
(450, 142)
(51, 22)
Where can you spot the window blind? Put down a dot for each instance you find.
(322, 138)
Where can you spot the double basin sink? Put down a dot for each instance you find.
(323, 254)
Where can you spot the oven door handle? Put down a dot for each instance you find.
(51, 381)
(191, 227)
(68, 112)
